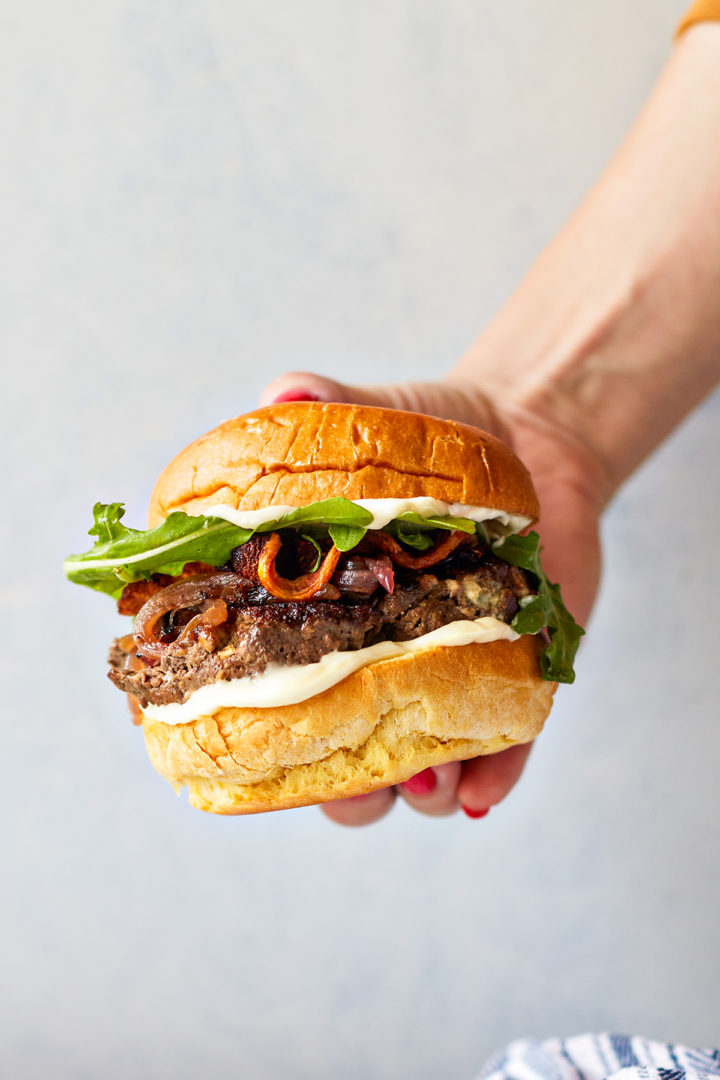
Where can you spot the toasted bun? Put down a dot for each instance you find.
(301, 452)
(393, 718)
(377, 727)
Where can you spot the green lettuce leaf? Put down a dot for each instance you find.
(318, 551)
(440, 522)
(546, 611)
(346, 537)
(121, 554)
(410, 535)
(328, 512)
(346, 522)
(414, 529)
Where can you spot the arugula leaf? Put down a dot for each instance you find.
(318, 552)
(544, 611)
(444, 521)
(482, 534)
(414, 529)
(328, 512)
(411, 536)
(346, 537)
(106, 523)
(121, 554)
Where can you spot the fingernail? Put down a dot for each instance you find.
(296, 394)
(422, 783)
(475, 813)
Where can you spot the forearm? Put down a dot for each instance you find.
(614, 334)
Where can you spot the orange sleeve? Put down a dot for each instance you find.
(701, 11)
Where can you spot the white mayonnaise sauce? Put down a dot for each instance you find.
(282, 684)
(382, 510)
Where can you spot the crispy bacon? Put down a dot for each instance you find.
(137, 593)
(440, 550)
(134, 709)
(300, 588)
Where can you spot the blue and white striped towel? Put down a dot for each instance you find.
(601, 1057)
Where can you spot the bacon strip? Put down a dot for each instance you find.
(138, 593)
(300, 588)
(399, 555)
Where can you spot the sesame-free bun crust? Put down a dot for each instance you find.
(297, 453)
(377, 727)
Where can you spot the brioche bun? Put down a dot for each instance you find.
(377, 727)
(390, 719)
(301, 452)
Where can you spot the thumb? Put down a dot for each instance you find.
(448, 400)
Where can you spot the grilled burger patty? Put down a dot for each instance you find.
(260, 630)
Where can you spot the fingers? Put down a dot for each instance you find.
(362, 810)
(474, 785)
(434, 791)
(485, 781)
(453, 401)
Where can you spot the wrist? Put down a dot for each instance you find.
(614, 334)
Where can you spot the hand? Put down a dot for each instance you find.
(570, 487)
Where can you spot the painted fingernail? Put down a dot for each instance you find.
(475, 813)
(296, 394)
(422, 783)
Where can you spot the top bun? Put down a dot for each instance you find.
(298, 453)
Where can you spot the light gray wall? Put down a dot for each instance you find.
(195, 197)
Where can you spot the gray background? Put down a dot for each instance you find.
(196, 197)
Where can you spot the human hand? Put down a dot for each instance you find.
(609, 340)
(569, 484)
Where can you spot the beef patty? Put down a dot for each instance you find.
(262, 630)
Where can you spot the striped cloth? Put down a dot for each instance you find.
(601, 1057)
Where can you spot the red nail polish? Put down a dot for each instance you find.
(422, 783)
(475, 813)
(297, 394)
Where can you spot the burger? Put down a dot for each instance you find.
(328, 599)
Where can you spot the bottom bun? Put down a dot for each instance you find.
(377, 727)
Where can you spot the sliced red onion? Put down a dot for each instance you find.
(361, 575)
(382, 568)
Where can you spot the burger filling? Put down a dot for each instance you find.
(226, 595)
(291, 599)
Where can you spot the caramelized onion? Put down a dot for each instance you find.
(300, 588)
(215, 613)
(440, 550)
(361, 575)
(327, 592)
(137, 593)
(184, 594)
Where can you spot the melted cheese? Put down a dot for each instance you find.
(282, 684)
(383, 512)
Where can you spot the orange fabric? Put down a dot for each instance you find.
(701, 11)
